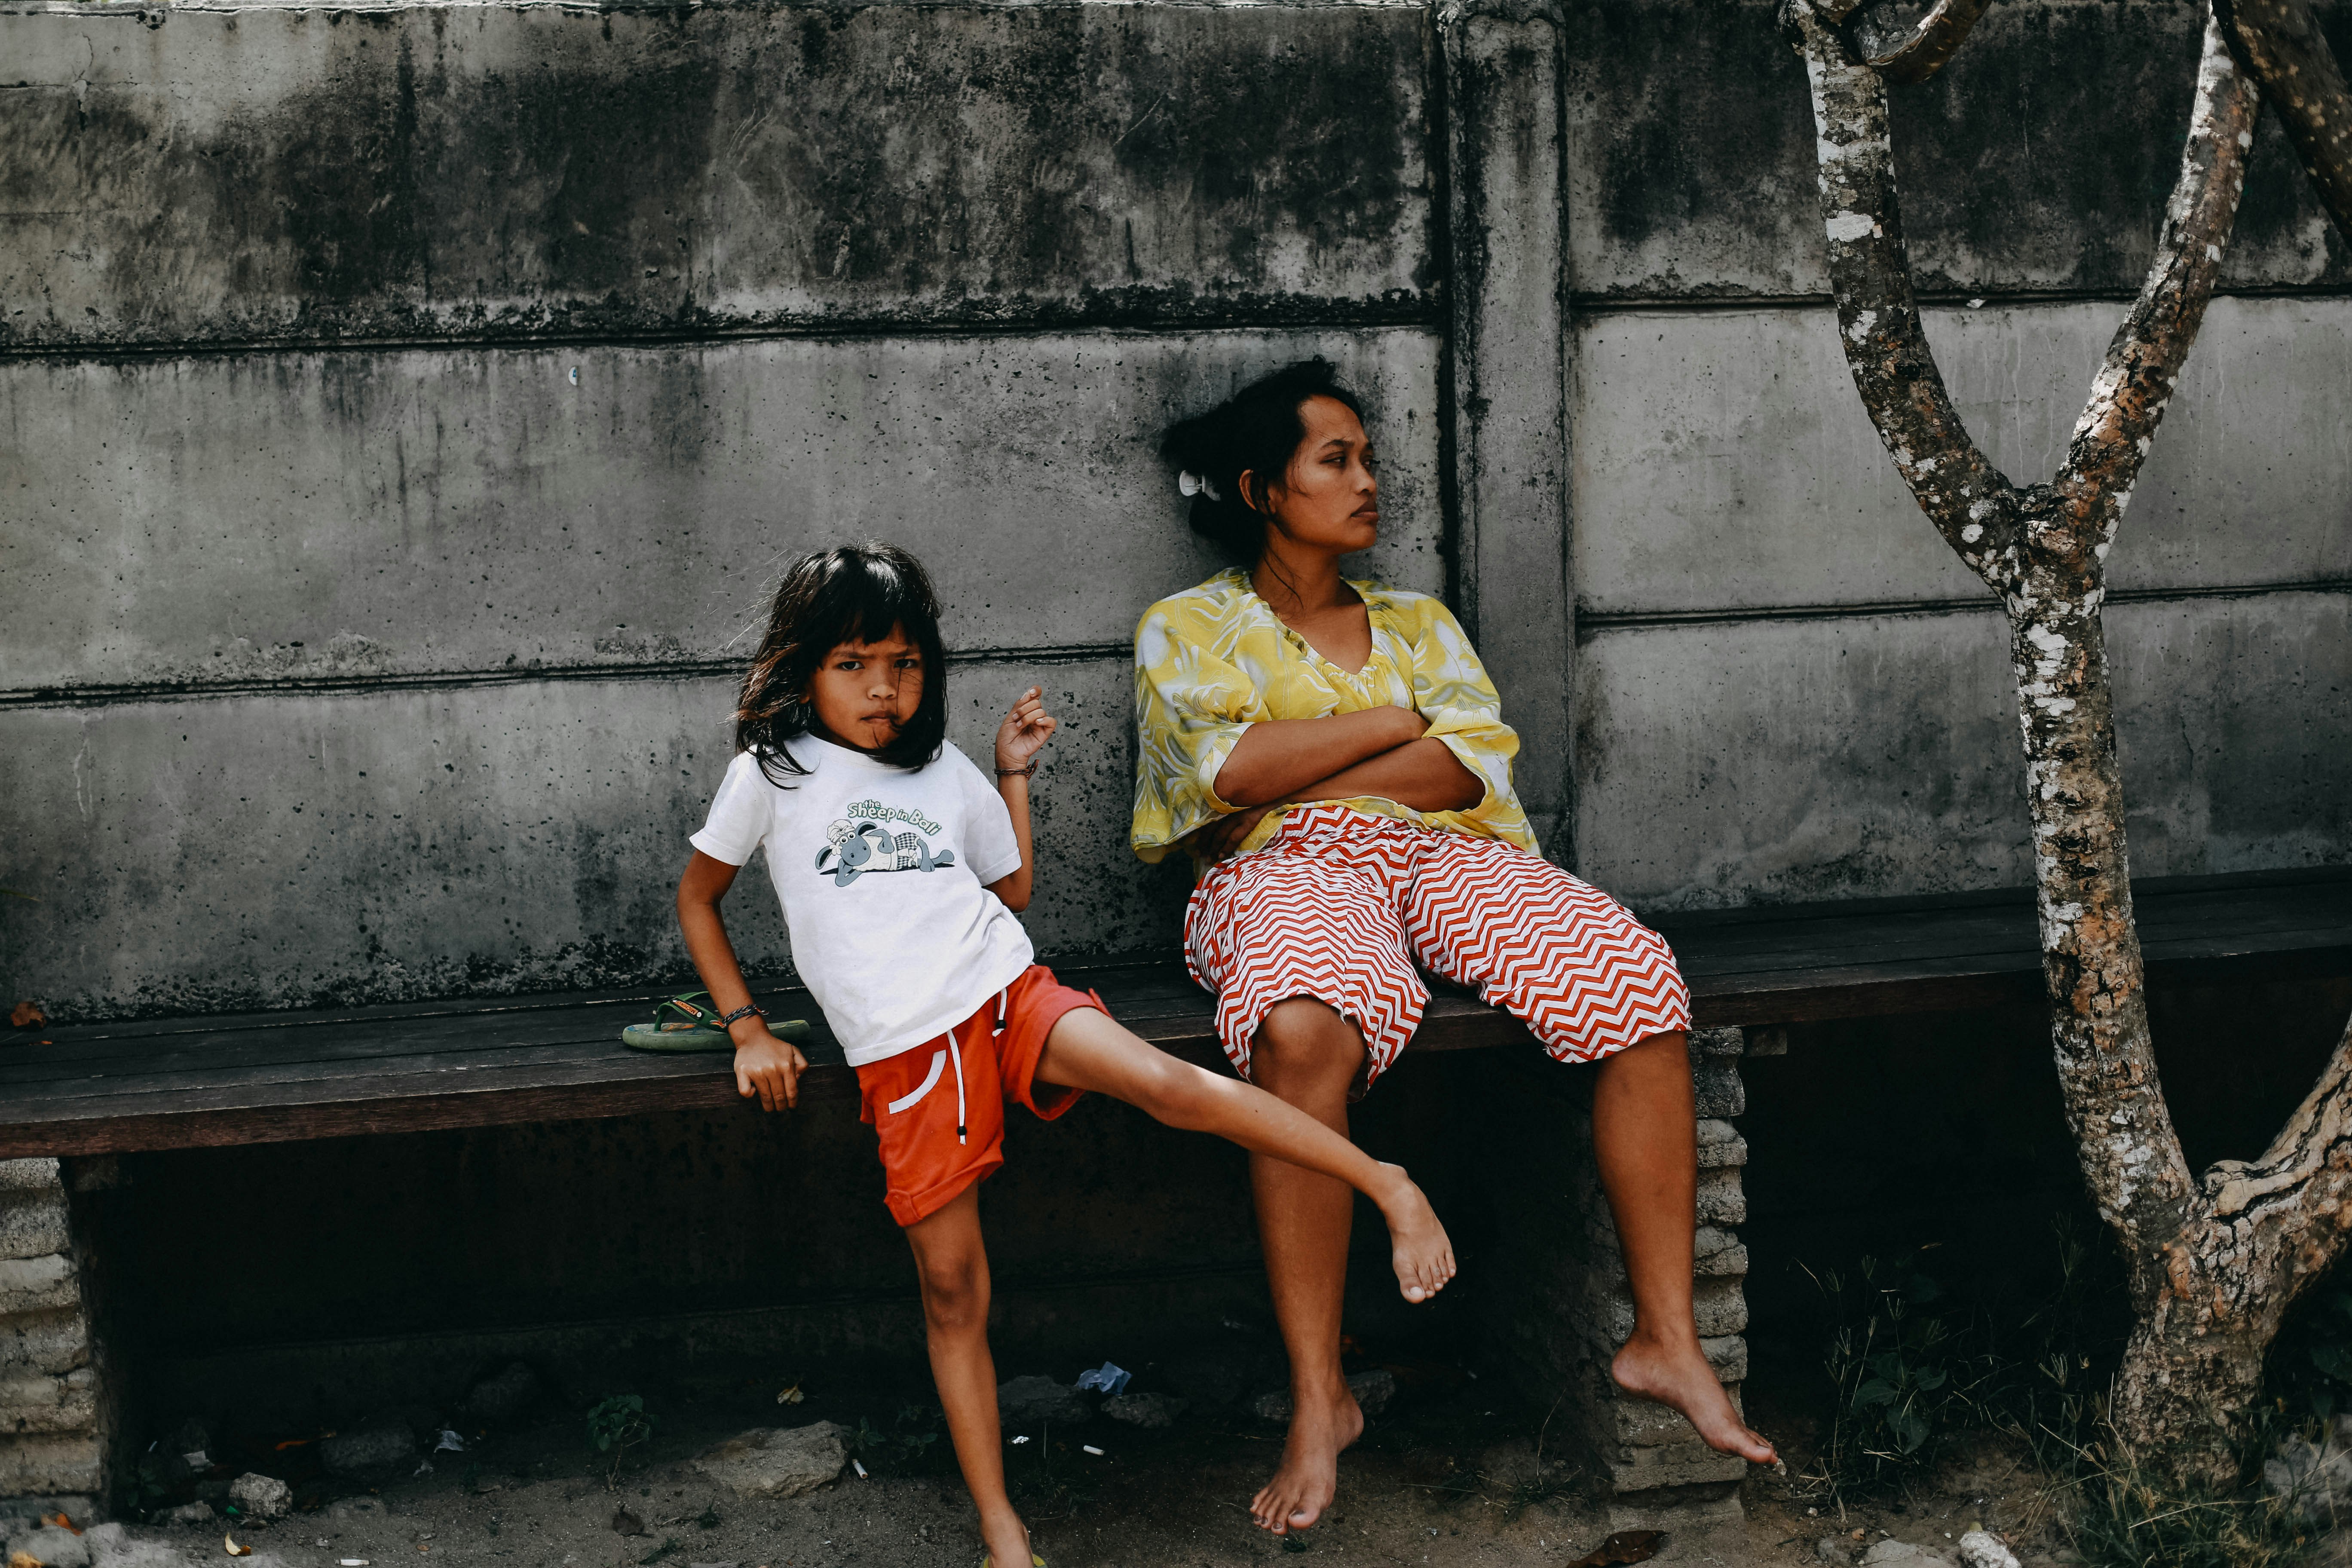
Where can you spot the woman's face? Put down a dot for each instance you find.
(866, 692)
(1329, 498)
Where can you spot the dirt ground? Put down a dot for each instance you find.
(1450, 1476)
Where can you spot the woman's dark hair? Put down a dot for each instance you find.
(855, 592)
(1259, 429)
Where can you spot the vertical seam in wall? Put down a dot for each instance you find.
(1457, 533)
(1564, 840)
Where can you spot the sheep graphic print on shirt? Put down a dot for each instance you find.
(945, 942)
(854, 848)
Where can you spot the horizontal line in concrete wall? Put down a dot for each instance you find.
(1429, 311)
(1659, 304)
(134, 9)
(200, 690)
(1592, 623)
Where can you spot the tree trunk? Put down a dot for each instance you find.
(2211, 1272)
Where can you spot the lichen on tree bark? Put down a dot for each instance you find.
(2212, 1269)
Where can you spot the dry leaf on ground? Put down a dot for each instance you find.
(1625, 1546)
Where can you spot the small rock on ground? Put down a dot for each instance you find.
(2315, 1480)
(190, 1513)
(1892, 1554)
(1373, 1389)
(378, 1445)
(52, 1547)
(1154, 1410)
(1032, 1401)
(257, 1496)
(503, 1399)
(777, 1461)
(1983, 1548)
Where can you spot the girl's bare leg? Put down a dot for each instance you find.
(1644, 1136)
(953, 1268)
(1087, 1051)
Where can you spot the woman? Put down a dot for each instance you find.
(1333, 757)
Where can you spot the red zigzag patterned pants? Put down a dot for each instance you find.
(1343, 905)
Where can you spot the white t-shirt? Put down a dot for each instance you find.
(883, 874)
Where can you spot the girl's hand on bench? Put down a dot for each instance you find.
(768, 1067)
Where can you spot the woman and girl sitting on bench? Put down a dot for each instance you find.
(1332, 756)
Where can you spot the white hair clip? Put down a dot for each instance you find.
(1193, 484)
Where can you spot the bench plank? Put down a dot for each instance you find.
(177, 1083)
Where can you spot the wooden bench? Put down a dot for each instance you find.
(179, 1083)
(1554, 1306)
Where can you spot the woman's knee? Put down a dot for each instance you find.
(1303, 1046)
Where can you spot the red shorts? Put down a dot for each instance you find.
(1341, 906)
(940, 1108)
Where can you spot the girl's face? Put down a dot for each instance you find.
(865, 693)
(1330, 498)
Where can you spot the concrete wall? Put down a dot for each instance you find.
(403, 412)
(1786, 686)
(408, 412)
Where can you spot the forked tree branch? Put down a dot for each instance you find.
(1971, 504)
(1980, 514)
(2279, 41)
(1928, 48)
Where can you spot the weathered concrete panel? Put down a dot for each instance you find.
(219, 174)
(285, 850)
(2039, 159)
(1723, 460)
(1785, 760)
(251, 517)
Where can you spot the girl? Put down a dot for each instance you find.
(1333, 757)
(900, 870)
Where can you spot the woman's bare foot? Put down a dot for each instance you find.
(1678, 1376)
(1302, 1488)
(1421, 1253)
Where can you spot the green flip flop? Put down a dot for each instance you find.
(687, 1022)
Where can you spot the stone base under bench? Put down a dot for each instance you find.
(1558, 1304)
(55, 1422)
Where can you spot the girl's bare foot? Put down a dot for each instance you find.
(1007, 1540)
(1321, 1425)
(1421, 1253)
(1677, 1374)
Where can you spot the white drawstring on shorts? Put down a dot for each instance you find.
(953, 1053)
(957, 1052)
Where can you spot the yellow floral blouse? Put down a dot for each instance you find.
(1213, 660)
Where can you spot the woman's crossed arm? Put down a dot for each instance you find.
(1378, 752)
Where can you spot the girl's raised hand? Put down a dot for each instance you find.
(1026, 730)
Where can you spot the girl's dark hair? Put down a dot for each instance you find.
(1258, 429)
(855, 592)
